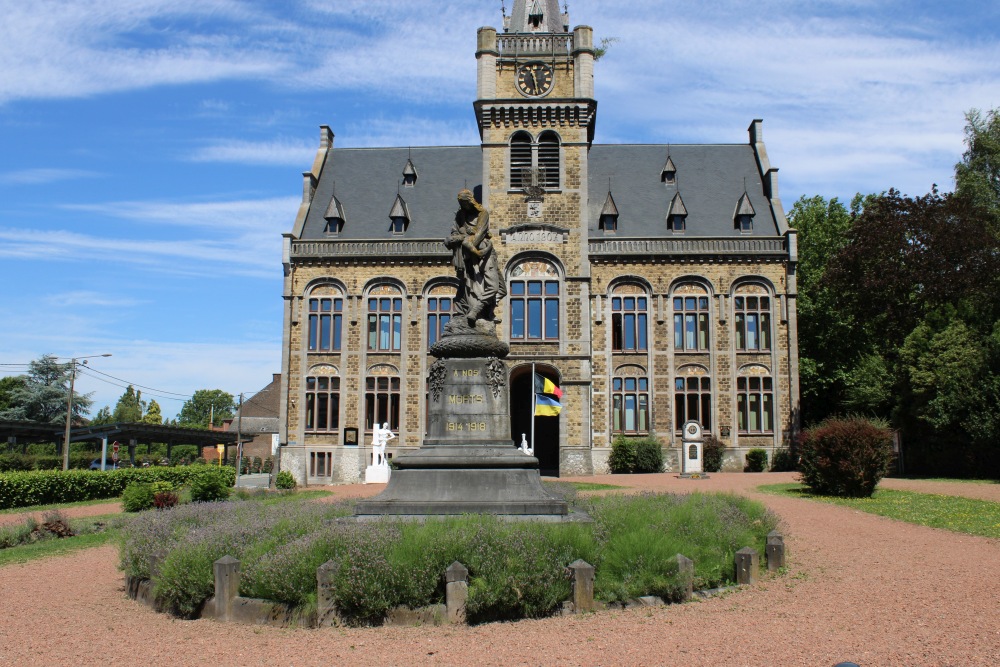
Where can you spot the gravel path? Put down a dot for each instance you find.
(859, 587)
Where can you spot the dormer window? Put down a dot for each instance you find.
(536, 15)
(677, 214)
(743, 217)
(399, 216)
(335, 217)
(609, 216)
(669, 172)
(409, 174)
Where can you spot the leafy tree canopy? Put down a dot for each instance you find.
(130, 406)
(153, 415)
(44, 393)
(197, 410)
(977, 176)
(103, 416)
(8, 385)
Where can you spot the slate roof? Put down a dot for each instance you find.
(711, 179)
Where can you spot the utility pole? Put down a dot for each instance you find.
(69, 404)
(239, 439)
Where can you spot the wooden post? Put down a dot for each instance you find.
(583, 586)
(456, 591)
(685, 573)
(227, 586)
(747, 566)
(326, 613)
(775, 551)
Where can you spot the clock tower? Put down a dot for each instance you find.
(535, 109)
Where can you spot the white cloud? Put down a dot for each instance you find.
(294, 153)
(89, 299)
(43, 176)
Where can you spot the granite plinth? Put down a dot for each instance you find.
(468, 463)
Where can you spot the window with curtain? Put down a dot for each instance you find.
(630, 405)
(692, 320)
(385, 319)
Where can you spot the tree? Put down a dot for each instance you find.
(153, 415)
(44, 394)
(197, 409)
(8, 385)
(977, 176)
(130, 406)
(103, 416)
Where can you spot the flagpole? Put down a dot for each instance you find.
(534, 399)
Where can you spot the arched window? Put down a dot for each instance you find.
(548, 160)
(440, 302)
(630, 401)
(322, 400)
(382, 397)
(534, 301)
(755, 400)
(692, 322)
(752, 306)
(534, 163)
(326, 314)
(520, 160)
(629, 305)
(385, 318)
(693, 397)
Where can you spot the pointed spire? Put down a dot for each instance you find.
(677, 206)
(744, 207)
(609, 206)
(400, 209)
(536, 16)
(669, 171)
(335, 210)
(409, 173)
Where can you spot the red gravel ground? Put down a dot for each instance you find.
(859, 587)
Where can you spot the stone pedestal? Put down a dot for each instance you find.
(468, 463)
(377, 474)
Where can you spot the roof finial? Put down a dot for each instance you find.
(503, 8)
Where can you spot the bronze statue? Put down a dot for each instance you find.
(481, 283)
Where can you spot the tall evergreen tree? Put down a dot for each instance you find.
(130, 406)
(44, 394)
(153, 415)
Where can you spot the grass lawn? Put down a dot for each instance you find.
(84, 539)
(962, 515)
(591, 486)
(59, 506)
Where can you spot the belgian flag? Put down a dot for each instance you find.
(543, 385)
(546, 406)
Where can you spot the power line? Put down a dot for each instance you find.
(134, 384)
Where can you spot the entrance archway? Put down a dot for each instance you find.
(521, 415)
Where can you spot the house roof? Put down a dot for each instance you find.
(711, 179)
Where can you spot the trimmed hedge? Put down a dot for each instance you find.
(45, 487)
(756, 460)
(635, 455)
(845, 457)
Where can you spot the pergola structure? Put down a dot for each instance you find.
(128, 433)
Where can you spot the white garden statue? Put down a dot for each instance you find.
(530, 451)
(380, 437)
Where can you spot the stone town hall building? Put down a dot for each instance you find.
(653, 283)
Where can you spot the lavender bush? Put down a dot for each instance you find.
(516, 570)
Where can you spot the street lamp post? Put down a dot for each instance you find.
(69, 405)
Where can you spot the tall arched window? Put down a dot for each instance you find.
(630, 401)
(385, 318)
(326, 314)
(693, 397)
(755, 400)
(534, 163)
(382, 397)
(322, 400)
(752, 309)
(534, 301)
(629, 306)
(520, 160)
(692, 323)
(440, 302)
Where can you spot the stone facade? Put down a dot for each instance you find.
(623, 314)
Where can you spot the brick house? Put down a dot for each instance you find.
(655, 284)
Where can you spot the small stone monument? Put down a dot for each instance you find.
(467, 463)
(378, 472)
(692, 445)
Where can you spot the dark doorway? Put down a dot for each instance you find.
(521, 415)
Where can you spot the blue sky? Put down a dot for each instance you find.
(151, 150)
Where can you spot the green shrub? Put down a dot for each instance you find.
(43, 487)
(211, 485)
(756, 460)
(648, 455)
(268, 465)
(712, 451)
(784, 461)
(284, 480)
(845, 457)
(138, 497)
(622, 459)
(13, 462)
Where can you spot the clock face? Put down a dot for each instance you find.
(534, 79)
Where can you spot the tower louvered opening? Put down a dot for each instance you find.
(520, 160)
(548, 160)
